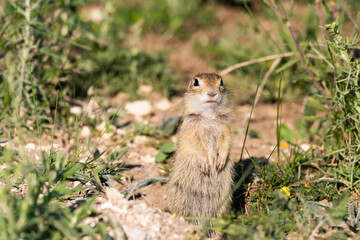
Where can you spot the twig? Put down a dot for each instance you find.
(273, 6)
(321, 17)
(321, 56)
(258, 60)
(283, 10)
(265, 78)
(325, 45)
(331, 180)
(315, 165)
(302, 58)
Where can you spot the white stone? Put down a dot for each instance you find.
(121, 132)
(145, 89)
(141, 140)
(76, 110)
(56, 146)
(139, 108)
(108, 135)
(85, 132)
(90, 91)
(30, 146)
(136, 233)
(305, 146)
(101, 126)
(163, 105)
(76, 183)
(114, 195)
(148, 159)
(3, 144)
(96, 15)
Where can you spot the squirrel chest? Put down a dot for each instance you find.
(201, 177)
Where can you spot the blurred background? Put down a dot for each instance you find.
(120, 45)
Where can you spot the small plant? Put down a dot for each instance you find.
(36, 213)
(254, 134)
(165, 152)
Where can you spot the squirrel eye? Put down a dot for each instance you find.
(221, 82)
(196, 82)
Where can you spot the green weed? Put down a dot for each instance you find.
(36, 212)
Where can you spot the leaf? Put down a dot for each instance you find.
(301, 127)
(287, 65)
(352, 214)
(68, 172)
(82, 212)
(339, 210)
(63, 226)
(144, 183)
(161, 157)
(169, 125)
(117, 154)
(314, 118)
(61, 190)
(169, 147)
(316, 104)
(286, 133)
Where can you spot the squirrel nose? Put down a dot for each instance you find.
(211, 94)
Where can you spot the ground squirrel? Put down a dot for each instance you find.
(201, 177)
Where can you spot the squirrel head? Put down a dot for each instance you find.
(206, 95)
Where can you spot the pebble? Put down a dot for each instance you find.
(163, 105)
(147, 159)
(139, 108)
(30, 146)
(76, 110)
(141, 140)
(305, 146)
(144, 89)
(101, 126)
(85, 132)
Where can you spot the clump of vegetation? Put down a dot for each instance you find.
(168, 17)
(36, 212)
(114, 69)
(282, 217)
(332, 114)
(55, 55)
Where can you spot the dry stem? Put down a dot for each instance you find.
(258, 60)
(288, 26)
(321, 17)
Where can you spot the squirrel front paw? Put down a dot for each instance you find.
(204, 167)
(221, 161)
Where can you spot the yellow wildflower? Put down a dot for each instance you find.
(286, 190)
(284, 145)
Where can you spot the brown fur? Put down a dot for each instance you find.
(201, 177)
